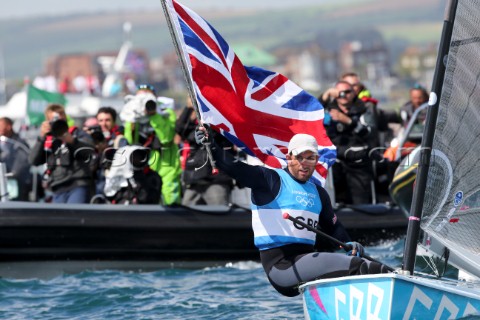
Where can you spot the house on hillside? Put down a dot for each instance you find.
(364, 52)
(418, 63)
(311, 67)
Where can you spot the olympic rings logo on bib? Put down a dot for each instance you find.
(304, 201)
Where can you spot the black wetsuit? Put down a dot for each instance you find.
(289, 265)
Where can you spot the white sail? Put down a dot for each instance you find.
(113, 81)
(451, 207)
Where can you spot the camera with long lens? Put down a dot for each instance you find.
(54, 123)
(150, 105)
(137, 108)
(55, 117)
(92, 129)
(58, 128)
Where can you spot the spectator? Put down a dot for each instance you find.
(154, 127)
(67, 153)
(90, 125)
(358, 87)
(80, 84)
(418, 96)
(107, 117)
(387, 125)
(102, 163)
(64, 85)
(93, 85)
(14, 153)
(130, 180)
(200, 186)
(106, 135)
(383, 118)
(349, 124)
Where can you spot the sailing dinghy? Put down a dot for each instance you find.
(446, 200)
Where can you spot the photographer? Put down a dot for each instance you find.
(14, 154)
(149, 125)
(130, 180)
(200, 185)
(107, 118)
(68, 154)
(349, 124)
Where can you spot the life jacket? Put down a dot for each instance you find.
(300, 200)
(47, 146)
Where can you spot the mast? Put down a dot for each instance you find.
(413, 230)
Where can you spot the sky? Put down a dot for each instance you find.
(25, 8)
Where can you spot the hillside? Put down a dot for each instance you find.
(26, 43)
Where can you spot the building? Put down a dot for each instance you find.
(77, 72)
(418, 63)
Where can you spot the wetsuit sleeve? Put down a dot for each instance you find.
(264, 182)
(328, 221)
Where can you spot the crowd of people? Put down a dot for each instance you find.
(362, 132)
(171, 165)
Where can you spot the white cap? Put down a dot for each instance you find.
(302, 142)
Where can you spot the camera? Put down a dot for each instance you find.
(55, 117)
(92, 129)
(150, 105)
(137, 108)
(344, 93)
(59, 128)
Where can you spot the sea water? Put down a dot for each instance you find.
(237, 290)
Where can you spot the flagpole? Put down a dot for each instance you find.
(188, 80)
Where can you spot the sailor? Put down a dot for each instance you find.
(287, 251)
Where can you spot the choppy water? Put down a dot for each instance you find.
(234, 291)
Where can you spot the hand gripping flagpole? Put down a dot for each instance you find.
(188, 79)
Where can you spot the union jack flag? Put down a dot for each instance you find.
(256, 109)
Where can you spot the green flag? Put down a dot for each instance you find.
(37, 101)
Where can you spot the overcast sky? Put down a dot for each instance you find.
(22, 8)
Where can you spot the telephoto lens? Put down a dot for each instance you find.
(59, 128)
(150, 105)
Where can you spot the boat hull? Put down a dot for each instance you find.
(389, 296)
(32, 232)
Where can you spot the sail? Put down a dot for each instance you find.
(451, 207)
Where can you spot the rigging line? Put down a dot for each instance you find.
(430, 264)
(446, 253)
